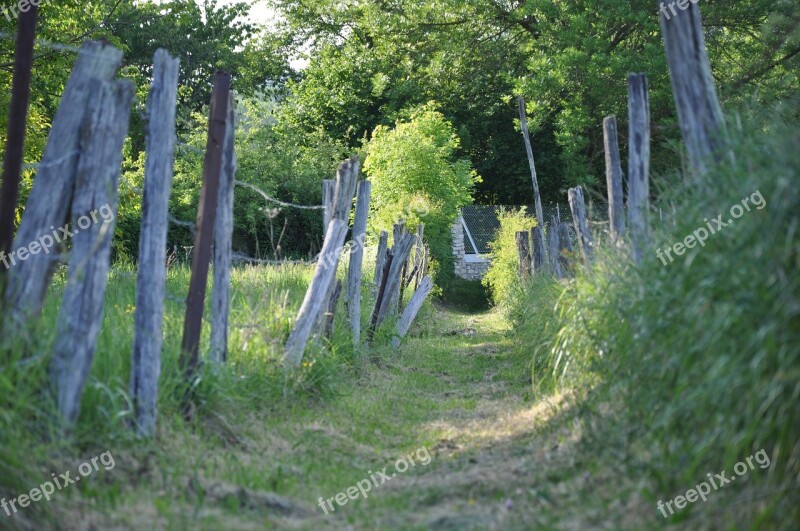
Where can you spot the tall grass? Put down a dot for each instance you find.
(694, 365)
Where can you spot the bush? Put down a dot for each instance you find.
(417, 176)
(502, 279)
(700, 357)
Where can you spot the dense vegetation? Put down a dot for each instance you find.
(658, 373)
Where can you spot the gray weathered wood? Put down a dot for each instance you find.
(565, 250)
(616, 209)
(398, 231)
(419, 256)
(158, 171)
(699, 112)
(524, 252)
(330, 312)
(638, 163)
(578, 207)
(538, 253)
(315, 300)
(95, 200)
(48, 202)
(380, 258)
(328, 198)
(523, 119)
(223, 241)
(344, 193)
(553, 248)
(400, 253)
(357, 259)
(411, 311)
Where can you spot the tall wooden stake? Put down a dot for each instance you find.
(523, 120)
(638, 162)
(616, 210)
(206, 219)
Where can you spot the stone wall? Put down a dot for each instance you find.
(468, 268)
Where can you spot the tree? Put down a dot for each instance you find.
(418, 177)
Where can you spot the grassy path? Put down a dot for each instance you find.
(456, 392)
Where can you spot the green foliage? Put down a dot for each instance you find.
(502, 279)
(697, 358)
(417, 176)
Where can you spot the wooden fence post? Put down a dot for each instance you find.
(553, 247)
(158, 171)
(699, 113)
(638, 163)
(96, 183)
(419, 256)
(523, 120)
(398, 230)
(17, 127)
(537, 250)
(328, 197)
(564, 249)
(46, 207)
(391, 279)
(578, 207)
(616, 209)
(357, 259)
(223, 240)
(380, 259)
(314, 303)
(524, 251)
(411, 311)
(206, 220)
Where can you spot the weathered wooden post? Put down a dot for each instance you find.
(17, 128)
(524, 251)
(96, 183)
(206, 220)
(314, 304)
(411, 311)
(523, 120)
(391, 279)
(537, 250)
(616, 209)
(699, 112)
(419, 256)
(398, 230)
(564, 249)
(380, 259)
(46, 207)
(578, 207)
(553, 247)
(158, 171)
(638, 163)
(223, 240)
(357, 259)
(328, 198)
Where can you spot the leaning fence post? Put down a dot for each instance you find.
(616, 210)
(27, 280)
(380, 259)
(411, 311)
(699, 112)
(357, 259)
(206, 219)
(223, 239)
(578, 207)
(524, 251)
(315, 300)
(638, 163)
(160, 150)
(392, 279)
(328, 196)
(96, 184)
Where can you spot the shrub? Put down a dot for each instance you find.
(502, 279)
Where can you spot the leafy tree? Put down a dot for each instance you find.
(417, 176)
